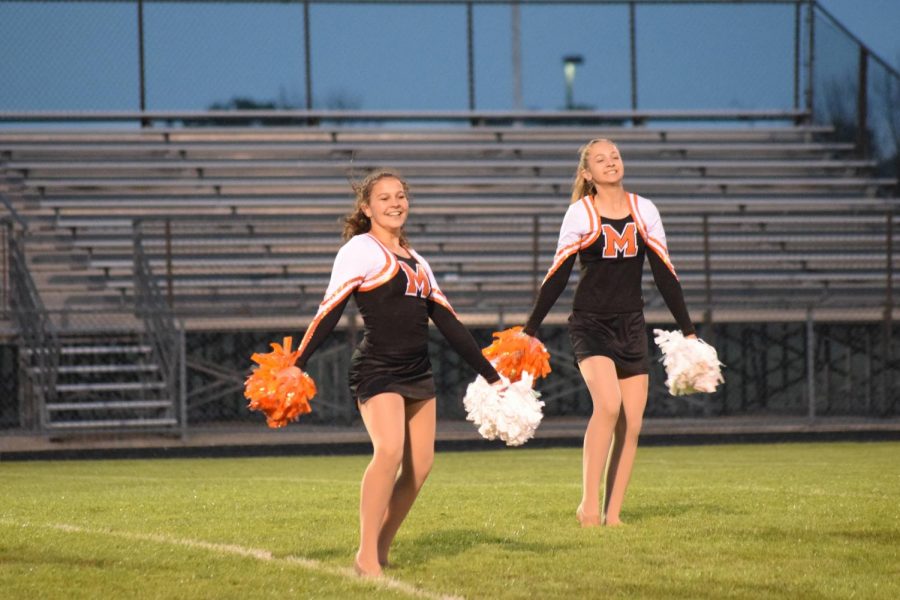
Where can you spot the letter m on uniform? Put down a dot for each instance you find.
(417, 283)
(620, 244)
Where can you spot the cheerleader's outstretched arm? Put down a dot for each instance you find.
(552, 288)
(461, 340)
(320, 328)
(349, 271)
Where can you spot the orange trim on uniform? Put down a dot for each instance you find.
(655, 245)
(390, 268)
(340, 290)
(664, 256)
(439, 297)
(325, 307)
(593, 233)
(435, 295)
(636, 215)
(561, 257)
(568, 250)
(659, 243)
(595, 221)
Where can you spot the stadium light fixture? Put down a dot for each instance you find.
(570, 62)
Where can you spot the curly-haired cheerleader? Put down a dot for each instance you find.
(390, 373)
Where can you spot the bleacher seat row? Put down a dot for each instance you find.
(793, 218)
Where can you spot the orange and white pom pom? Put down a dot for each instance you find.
(277, 388)
(691, 364)
(514, 352)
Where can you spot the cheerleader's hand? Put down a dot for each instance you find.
(512, 414)
(514, 353)
(500, 385)
(691, 364)
(277, 387)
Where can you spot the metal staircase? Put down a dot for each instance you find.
(113, 384)
(83, 381)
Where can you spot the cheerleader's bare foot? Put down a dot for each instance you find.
(586, 520)
(365, 570)
(613, 523)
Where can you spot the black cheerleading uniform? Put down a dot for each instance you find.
(396, 296)
(607, 313)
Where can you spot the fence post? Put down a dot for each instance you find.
(182, 382)
(867, 375)
(141, 66)
(470, 52)
(5, 233)
(170, 293)
(810, 365)
(811, 50)
(707, 267)
(306, 55)
(632, 33)
(535, 254)
(797, 45)
(888, 315)
(862, 104)
(516, 35)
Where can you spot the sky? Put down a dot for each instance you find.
(83, 56)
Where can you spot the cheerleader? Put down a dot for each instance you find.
(390, 373)
(610, 230)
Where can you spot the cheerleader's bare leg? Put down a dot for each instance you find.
(599, 374)
(628, 429)
(384, 416)
(418, 456)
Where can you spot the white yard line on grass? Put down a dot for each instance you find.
(257, 553)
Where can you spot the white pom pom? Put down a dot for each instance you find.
(692, 365)
(512, 414)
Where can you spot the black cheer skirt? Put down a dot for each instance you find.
(621, 337)
(407, 374)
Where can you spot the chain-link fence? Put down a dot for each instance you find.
(162, 55)
(854, 90)
(855, 372)
(10, 417)
(766, 373)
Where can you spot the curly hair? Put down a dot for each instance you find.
(357, 222)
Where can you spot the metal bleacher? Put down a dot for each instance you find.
(253, 212)
(239, 227)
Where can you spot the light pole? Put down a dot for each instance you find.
(569, 63)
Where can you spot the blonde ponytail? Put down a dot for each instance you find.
(581, 187)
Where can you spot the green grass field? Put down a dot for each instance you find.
(756, 521)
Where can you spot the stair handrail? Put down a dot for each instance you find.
(32, 319)
(161, 328)
(13, 214)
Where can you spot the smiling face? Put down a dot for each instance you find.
(388, 205)
(603, 164)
